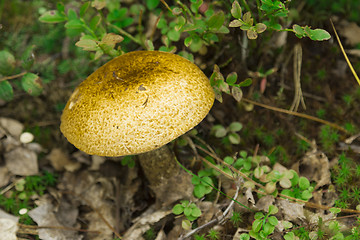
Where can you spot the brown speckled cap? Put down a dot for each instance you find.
(136, 103)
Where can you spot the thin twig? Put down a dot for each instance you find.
(24, 226)
(345, 56)
(13, 76)
(302, 115)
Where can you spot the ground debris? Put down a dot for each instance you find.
(45, 216)
(8, 226)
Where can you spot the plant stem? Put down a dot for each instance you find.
(123, 32)
(13, 76)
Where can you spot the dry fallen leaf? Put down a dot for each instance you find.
(44, 216)
(22, 161)
(8, 226)
(351, 32)
(315, 167)
(12, 126)
(60, 161)
(4, 176)
(144, 222)
(293, 212)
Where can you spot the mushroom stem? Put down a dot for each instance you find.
(163, 173)
(159, 165)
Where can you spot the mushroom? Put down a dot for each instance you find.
(136, 103)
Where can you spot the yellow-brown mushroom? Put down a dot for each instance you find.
(136, 103)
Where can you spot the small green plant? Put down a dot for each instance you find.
(270, 15)
(190, 210)
(199, 237)
(228, 85)
(24, 189)
(300, 188)
(263, 225)
(11, 71)
(128, 161)
(236, 219)
(150, 234)
(328, 138)
(229, 134)
(213, 234)
(202, 183)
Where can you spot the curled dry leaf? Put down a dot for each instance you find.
(315, 167)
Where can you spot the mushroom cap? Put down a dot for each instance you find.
(136, 103)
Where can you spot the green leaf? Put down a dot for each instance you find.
(220, 132)
(299, 31)
(273, 209)
(216, 20)
(258, 215)
(306, 195)
(60, 7)
(7, 63)
(173, 35)
(319, 35)
(152, 4)
(222, 29)
(195, 180)
(231, 78)
(187, 211)
(178, 209)
(268, 229)
(6, 91)
(244, 236)
(72, 15)
(188, 41)
(84, 8)
(248, 19)
(74, 24)
(257, 224)
(199, 191)
(304, 183)
(235, 127)
(234, 138)
(335, 210)
(196, 212)
(236, 11)
(235, 23)
(207, 181)
(247, 82)
(52, 16)
(28, 57)
(229, 160)
(94, 22)
(32, 84)
(289, 236)
(87, 44)
(273, 220)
